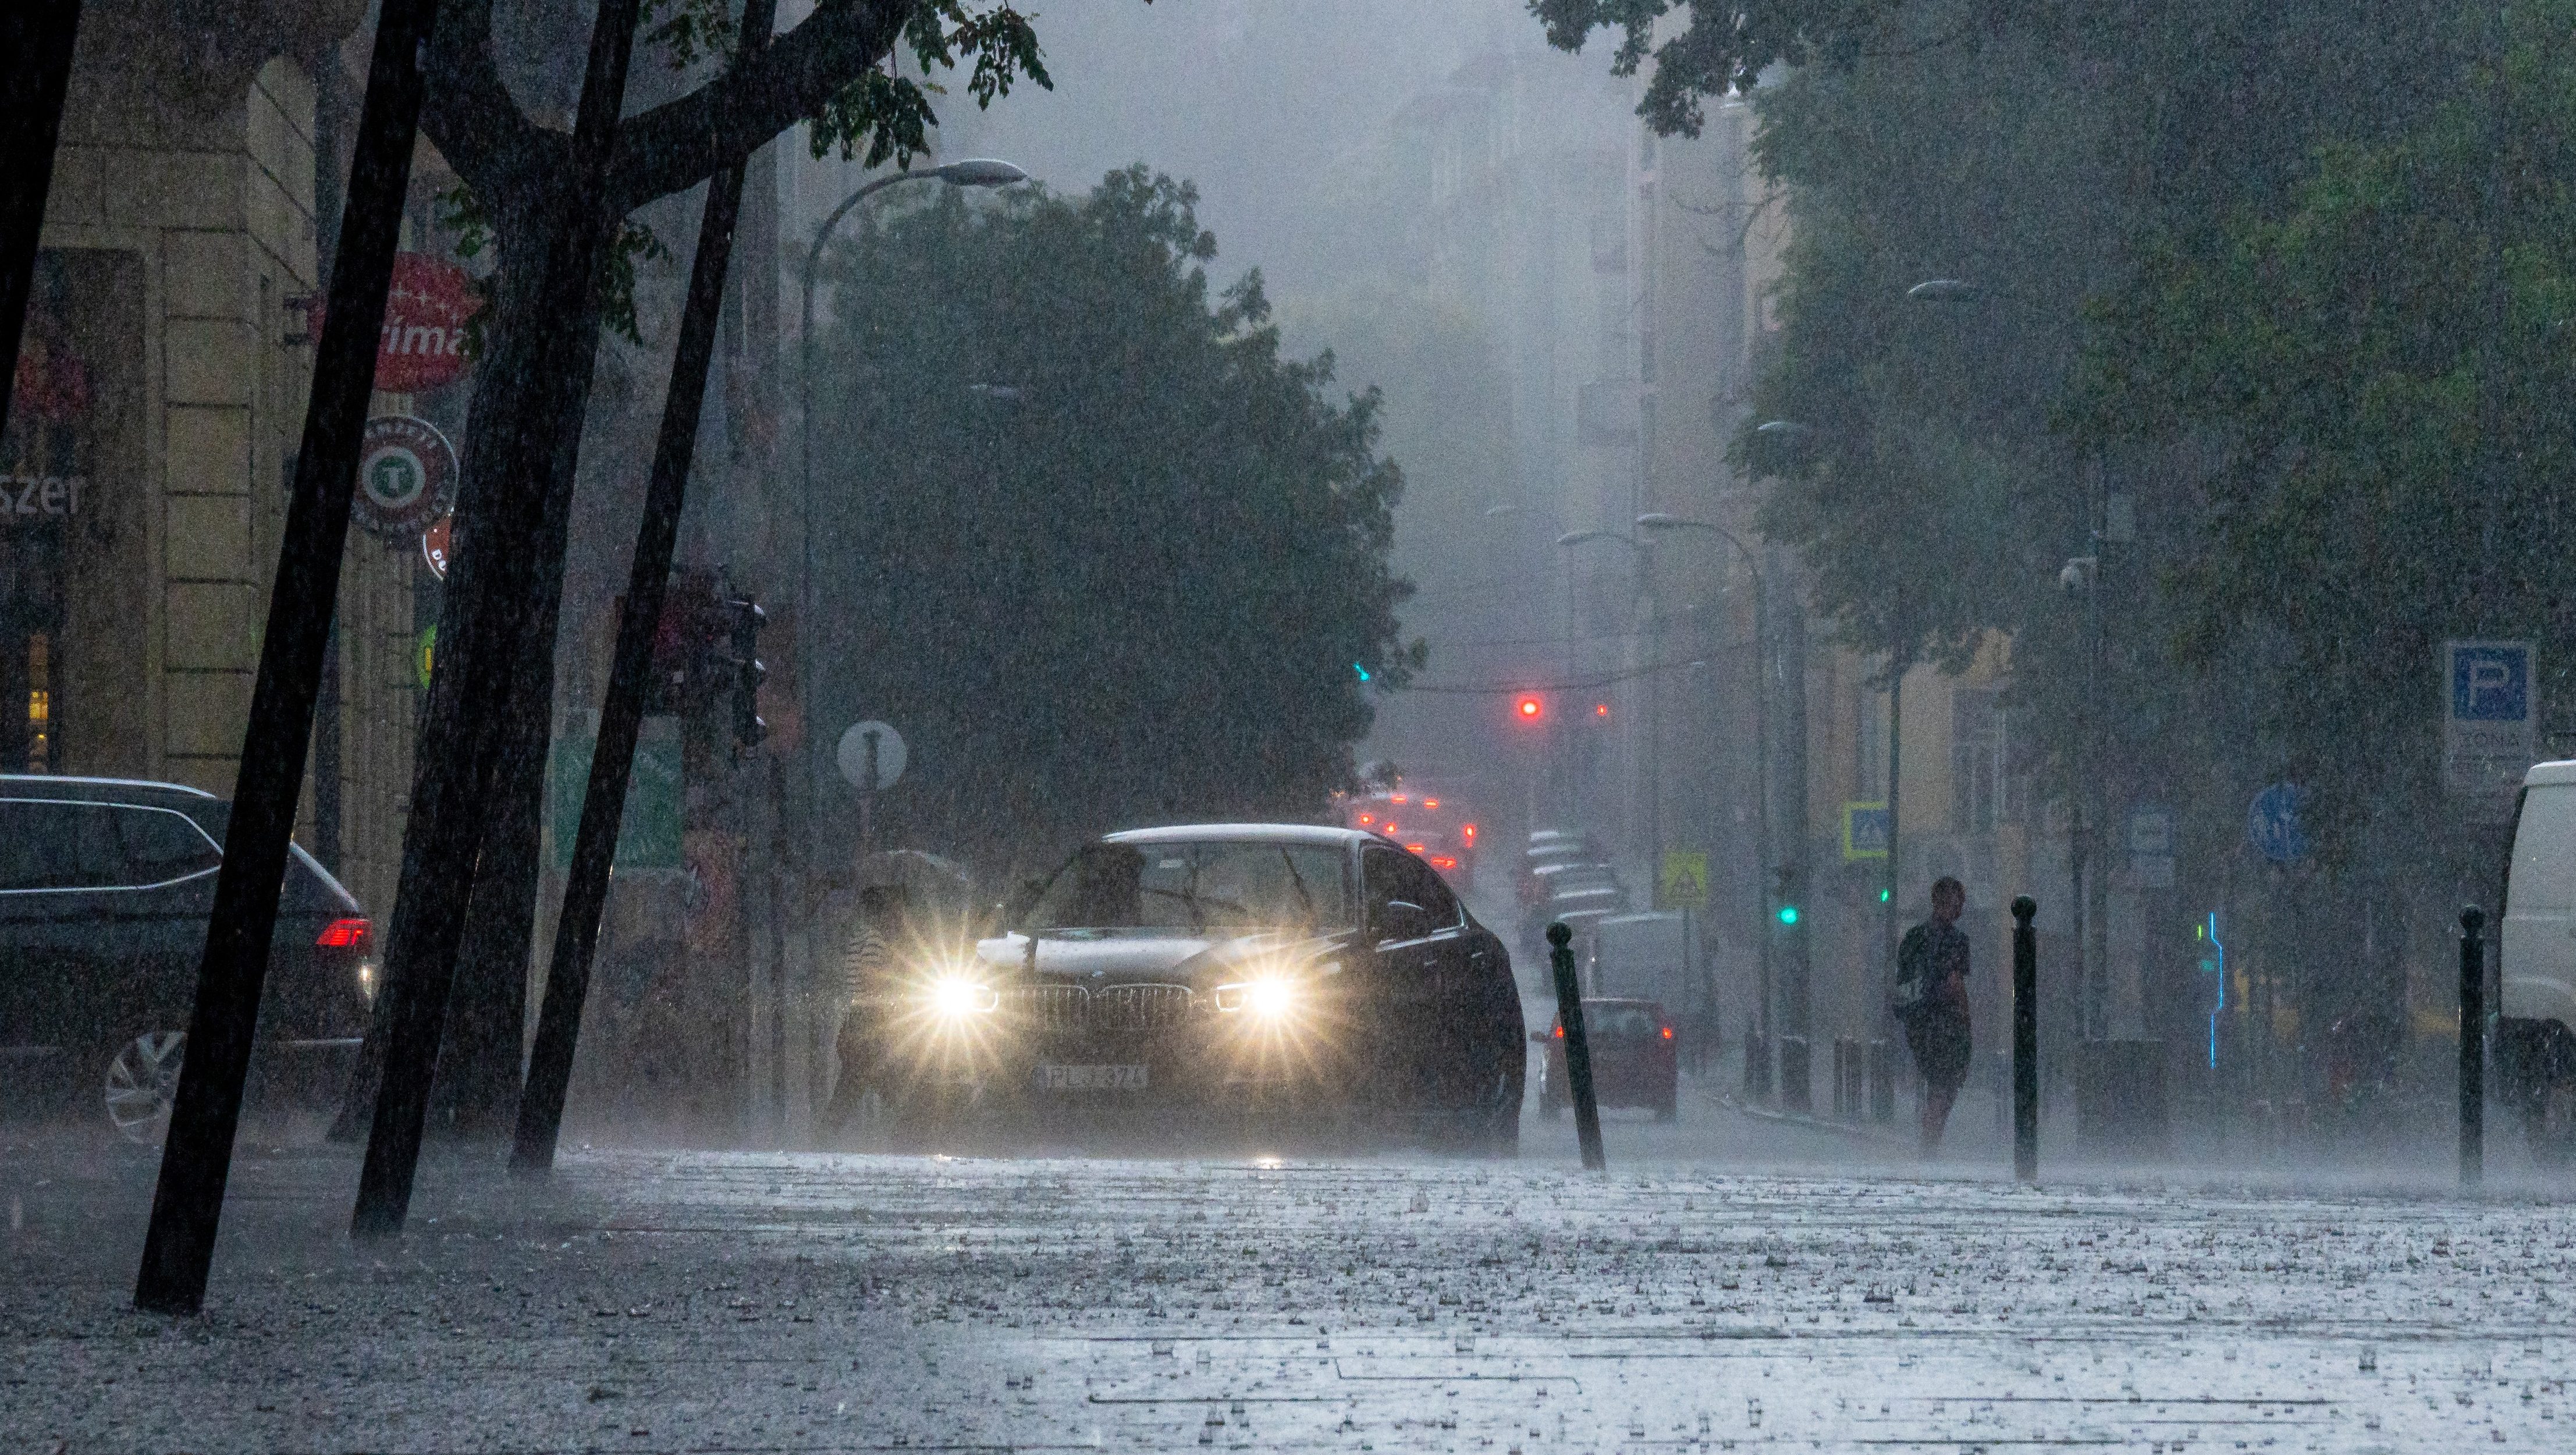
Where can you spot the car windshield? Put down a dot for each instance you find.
(1216, 884)
(1622, 1022)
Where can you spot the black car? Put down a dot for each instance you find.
(105, 886)
(1320, 979)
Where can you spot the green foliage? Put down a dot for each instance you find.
(1724, 46)
(633, 243)
(884, 116)
(1132, 582)
(690, 30)
(463, 217)
(2053, 160)
(2377, 374)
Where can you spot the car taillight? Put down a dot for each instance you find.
(1413, 848)
(345, 934)
(1468, 832)
(1443, 861)
(1668, 1033)
(1560, 1033)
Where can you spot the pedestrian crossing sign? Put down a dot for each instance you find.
(1683, 884)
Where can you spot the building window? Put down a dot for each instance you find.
(1985, 792)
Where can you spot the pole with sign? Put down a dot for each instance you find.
(871, 756)
(2490, 722)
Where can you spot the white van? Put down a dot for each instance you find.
(2534, 1053)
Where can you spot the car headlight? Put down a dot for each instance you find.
(955, 996)
(1269, 998)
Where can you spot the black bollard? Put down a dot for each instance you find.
(2025, 1052)
(1578, 1049)
(2473, 1048)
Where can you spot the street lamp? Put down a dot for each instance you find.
(1654, 735)
(970, 172)
(2086, 853)
(1659, 521)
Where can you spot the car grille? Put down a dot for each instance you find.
(1049, 1007)
(1110, 1008)
(1140, 1007)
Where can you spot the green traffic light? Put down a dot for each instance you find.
(1882, 896)
(1788, 914)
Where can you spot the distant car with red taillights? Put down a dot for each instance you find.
(1437, 827)
(105, 889)
(1633, 1058)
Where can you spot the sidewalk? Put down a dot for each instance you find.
(653, 1301)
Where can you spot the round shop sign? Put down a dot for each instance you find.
(406, 477)
(436, 542)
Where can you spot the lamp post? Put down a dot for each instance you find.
(970, 172)
(1654, 697)
(1659, 521)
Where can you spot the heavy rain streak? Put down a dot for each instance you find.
(1477, 726)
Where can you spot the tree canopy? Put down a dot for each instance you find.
(1088, 539)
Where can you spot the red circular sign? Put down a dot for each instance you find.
(435, 542)
(426, 311)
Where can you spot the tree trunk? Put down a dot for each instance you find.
(488, 1012)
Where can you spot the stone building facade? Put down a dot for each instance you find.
(169, 363)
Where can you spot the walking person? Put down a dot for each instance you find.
(869, 960)
(1931, 1002)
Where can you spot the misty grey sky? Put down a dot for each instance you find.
(1266, 104)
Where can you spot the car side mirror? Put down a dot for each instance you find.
(1402, 919)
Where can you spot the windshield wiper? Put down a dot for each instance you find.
(1297, 882)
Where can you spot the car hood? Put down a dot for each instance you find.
(1128, 957)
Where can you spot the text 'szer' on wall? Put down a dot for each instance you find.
(55, 496)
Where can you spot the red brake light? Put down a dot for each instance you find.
(1366, 819)
(1668, 1033)
(1413, 848)
(1468, 832)
(1399, 798)
(1431, 803)
(345, 934)
(1443, 861)
(1560, 1033)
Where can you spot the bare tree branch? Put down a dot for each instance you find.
(678, 144)
(473, 119)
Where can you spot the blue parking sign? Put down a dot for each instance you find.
(2491, 681)
(2490, 719)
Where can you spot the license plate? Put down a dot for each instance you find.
(1090, 1078)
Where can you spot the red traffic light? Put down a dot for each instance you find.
(1530, 709)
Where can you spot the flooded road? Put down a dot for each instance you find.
(687, 1301)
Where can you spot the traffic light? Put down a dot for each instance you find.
(743, 621)
(1786, 887)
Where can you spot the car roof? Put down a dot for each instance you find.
(96, 790)
(1244, 833)
(2561, 771)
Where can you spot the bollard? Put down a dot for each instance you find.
(2473, 1048)
(1882, 1081)
(1578, 1049)
(2025, 1050)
